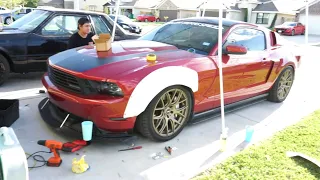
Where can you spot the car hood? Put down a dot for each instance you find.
(284, 27)
(131, 24)
(124, 57)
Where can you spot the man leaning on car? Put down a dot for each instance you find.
(84, 35)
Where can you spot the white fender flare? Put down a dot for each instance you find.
(151, 85)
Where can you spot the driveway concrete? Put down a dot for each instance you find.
(197, 144)
(300, 39)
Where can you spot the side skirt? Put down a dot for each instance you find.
(207, 115)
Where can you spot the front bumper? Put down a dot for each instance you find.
(284, 31)
(135, 30)
(106, 114)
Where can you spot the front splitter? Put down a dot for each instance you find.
(54, 116)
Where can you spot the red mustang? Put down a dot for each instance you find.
(290, 28)
(120, 90)
(147, 18)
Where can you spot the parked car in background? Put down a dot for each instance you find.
(26, 44)
(290, 28)
(123, 90)
(8, 16)
(147, 18)
(127, 24)
(3, 8)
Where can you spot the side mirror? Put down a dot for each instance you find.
(235, 49)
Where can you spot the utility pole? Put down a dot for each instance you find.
(12, 7)
(307, 23)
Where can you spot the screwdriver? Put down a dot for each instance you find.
(134, 148)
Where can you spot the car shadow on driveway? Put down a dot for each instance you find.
(18, 82)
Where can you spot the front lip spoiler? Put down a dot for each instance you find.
(54, 116)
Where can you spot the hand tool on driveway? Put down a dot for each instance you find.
(75, 145)
(54, 146)
(133, 148)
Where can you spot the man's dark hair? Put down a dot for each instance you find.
(83, 21)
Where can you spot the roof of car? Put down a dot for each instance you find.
(70, 10)
(213, 20)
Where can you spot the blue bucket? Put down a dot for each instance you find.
(87, 127)
(249, 133)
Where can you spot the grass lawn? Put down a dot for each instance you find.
(150, 23)
(268, 159)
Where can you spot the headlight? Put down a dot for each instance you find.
(107, 88)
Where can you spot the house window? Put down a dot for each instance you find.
(92, 8)
(262, 18)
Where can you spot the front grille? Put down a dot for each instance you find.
(64, 80)
(281, 29)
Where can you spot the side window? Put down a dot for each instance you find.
(62, 25)
(28, 10)
(252, 39)
(100, 25)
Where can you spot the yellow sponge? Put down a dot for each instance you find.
(79, 166)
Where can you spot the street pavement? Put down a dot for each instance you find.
(197, 145)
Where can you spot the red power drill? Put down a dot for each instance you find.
(54, 146)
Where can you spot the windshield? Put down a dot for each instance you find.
(121, 18)
(191, 36)
(289, 24)
(30, 21)
(110, 22)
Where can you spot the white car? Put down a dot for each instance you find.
(3, 8)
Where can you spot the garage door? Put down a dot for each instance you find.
(172, 14)
(213, 14)
(314, 25)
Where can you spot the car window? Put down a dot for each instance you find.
(62, 25)
(252, 39)
(30, 21)
(28, 10)
(191, 36)
(99, 25)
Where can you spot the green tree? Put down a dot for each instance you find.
(31, 3)
(13, 3)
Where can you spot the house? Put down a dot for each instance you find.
(53, 3)
(174, 9)
(146, 7)
(125, 7)
(313, 18)
(230, 11)
(91, 5)
(267, 13)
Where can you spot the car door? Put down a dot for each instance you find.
(50, 38)
(257, 61)
(301, 28)
(233, 75)
(243, 75)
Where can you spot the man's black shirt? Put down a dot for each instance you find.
(76, 40)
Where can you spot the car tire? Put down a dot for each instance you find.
(4, 69)
(170, 121)
(283, 84)
(146, 20)
(293, 33)
(7, 20)
(303, 32)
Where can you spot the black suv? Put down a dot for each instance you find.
(27, 43)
